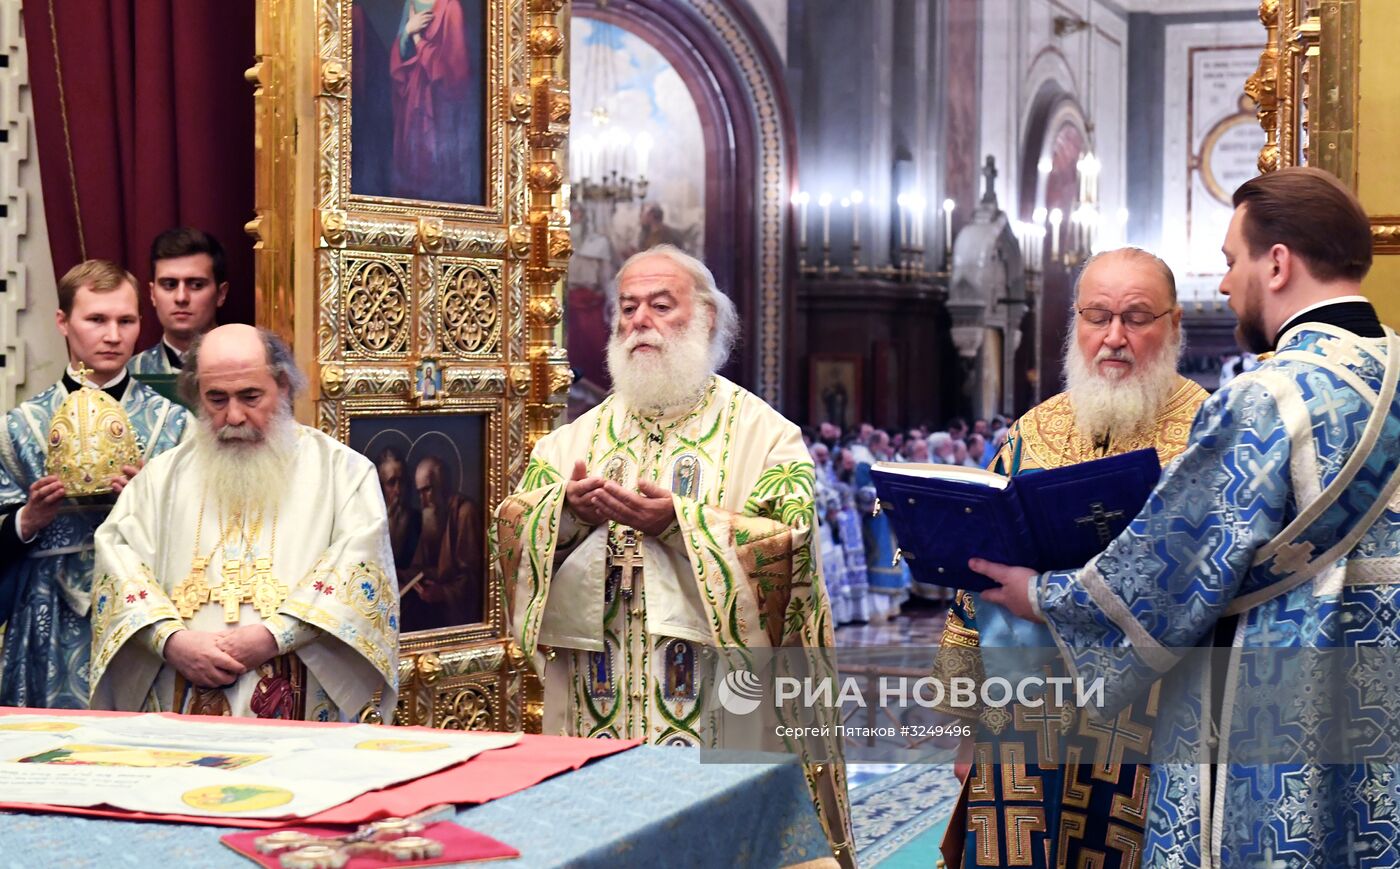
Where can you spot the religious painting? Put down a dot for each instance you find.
(418, 100)
(834, 392)
(431, 470)
(428, 382)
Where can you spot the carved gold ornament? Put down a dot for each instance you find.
(90, 440)
(391, 289)
(430, 233)
(468, 707)
(1306, 85)
(377, 309)
(334, 77)
(469, 311)
(333, 227)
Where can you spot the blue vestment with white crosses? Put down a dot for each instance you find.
(1278, 528)
(48, 641)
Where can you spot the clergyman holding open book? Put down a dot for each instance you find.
(1123, 393)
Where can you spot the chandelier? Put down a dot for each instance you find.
(607, 163)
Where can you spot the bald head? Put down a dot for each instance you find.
(234, 347)
(240, 377)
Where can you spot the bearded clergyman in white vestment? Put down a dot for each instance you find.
(250, 573)
(673, 519)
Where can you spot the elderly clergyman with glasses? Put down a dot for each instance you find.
(1122, 393)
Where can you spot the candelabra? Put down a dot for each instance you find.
(610, 167)
(908, 247)
(611, 189)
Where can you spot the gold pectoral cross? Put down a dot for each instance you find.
(249, 582)
(237, 586)
(266, 592)
(193, 591)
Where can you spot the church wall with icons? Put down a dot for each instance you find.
(412, 240)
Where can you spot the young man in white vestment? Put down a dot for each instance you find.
(250, 572)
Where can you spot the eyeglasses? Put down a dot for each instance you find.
(1102, 317)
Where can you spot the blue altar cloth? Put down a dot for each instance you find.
(649, 806)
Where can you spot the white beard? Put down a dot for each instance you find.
(1115, 407)
(246, 473)
(673, 377)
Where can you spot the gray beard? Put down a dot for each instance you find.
(246, 476)
(675, 378)
(1115, 408)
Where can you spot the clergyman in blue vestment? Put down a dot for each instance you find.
(46, 549)
(1278, 528)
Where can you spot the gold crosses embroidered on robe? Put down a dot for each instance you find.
(242, 582)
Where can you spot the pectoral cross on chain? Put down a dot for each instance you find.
(249, 582)
(237, 584)
(266, 593)
(1100, 518)
(193, 592)
(626, 560)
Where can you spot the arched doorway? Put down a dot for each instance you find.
(1057, 135)
(731, 74)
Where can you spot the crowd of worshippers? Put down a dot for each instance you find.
(857, 547)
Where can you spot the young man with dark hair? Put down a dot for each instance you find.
(188, 286)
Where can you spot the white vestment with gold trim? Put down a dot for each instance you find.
(315, 567)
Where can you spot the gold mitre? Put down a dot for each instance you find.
(90, 440)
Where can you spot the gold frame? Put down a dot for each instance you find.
(1306, 86)
(366, 288)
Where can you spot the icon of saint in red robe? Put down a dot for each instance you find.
(438, 147)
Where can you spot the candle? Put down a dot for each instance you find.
(800, 201)
(856, 199)
(903, 201)
(918, 208)
(948, 207)
(825, 202)
(1056, 218)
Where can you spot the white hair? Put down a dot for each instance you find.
(725, 331)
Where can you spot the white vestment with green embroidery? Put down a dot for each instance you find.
(328, 543)
(736, 570)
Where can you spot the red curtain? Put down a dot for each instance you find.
(144, 121)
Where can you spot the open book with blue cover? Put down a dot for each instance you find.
(1058, 519)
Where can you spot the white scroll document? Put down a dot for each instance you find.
(164, 765)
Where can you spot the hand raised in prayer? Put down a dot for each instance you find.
(1013, 591)
(199, 659)
(251, 645)
(579, 493)
(650, 511)
(128, 471)
(38, 513)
